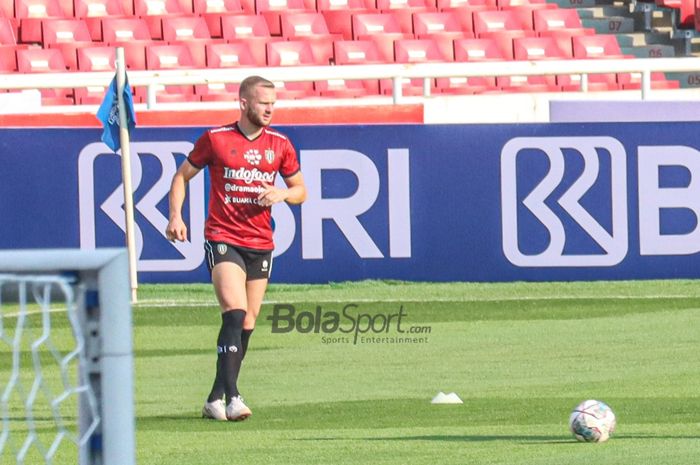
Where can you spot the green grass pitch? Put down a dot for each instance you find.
(520, 355)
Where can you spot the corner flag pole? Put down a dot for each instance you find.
(126, 173)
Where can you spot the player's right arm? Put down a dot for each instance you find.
(177, 229)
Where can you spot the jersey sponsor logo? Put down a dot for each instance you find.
(249, 176)
(222, 129)
(276, 134)
(149, 221)
(529, 210)
(253, 157)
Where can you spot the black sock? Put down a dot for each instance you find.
(230, 353)
(245, 337)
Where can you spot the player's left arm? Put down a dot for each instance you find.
(294, 194)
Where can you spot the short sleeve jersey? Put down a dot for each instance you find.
(238, 167)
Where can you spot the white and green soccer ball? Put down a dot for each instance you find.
(592, 421)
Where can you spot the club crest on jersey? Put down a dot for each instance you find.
(270, 155)
(221, 248)
(253, 157)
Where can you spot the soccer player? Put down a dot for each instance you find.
(243, 159)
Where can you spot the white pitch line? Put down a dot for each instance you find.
(161, 303)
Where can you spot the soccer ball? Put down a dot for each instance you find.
(592, 421)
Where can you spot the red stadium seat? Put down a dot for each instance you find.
(39, 60)
(217, 92)
(7, 8)
(303, 25)
(385, 43)
(504, 39)
(312, 28)
(250, 28)
(272, 11)
(124, 29)
(98, 58)
(64, 30)
(508, 4)
(185, 28)
(291, 53)
(537, 48)
(342, 88)
(8, 35)
(338, 14)
(374, 23)
(214, 10)
(418, 51)
(154, 11)
(231, 55)
(596, 46)
(168, 94)
(348, 52)
(92, 95)
(97, 8)
(168, 57)
(472, 50)
(448, 5)
(658, 81)
(8, 58)
(685, 11)
(403, 11)
(30, 14)
(563, 37)
(557, 19)
(496, 21)
(437, 22)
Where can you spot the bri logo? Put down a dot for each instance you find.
(610, 242)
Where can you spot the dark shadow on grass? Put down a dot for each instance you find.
(524, 439)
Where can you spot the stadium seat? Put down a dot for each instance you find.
(97, 8)
(250, 28)
(596, 46)
(385, 43)
(272, 11)
(425, 23)
(349, 52)
(342, 88)
(214, 10)
(563, 37)
(504, 39)
(557, 19)
(418, 51)
(537, 48)
(447, 5)
(496, 21)
(30, 14)
(231, 55)
(8, 58)
(168, 57)
(633, 81)
(312, 28)
(66, 35)
(167, 94)
(40, 60)
(509, 4)
(190, 31)
(374, 23)
(154, 11)
(92, 95)
(217, 92)
(472, 50)
(291, 53)
(403, 11)
(124, 29)
(8, 35)
(409, 87)
(338, 14)
(295, 90)
(7, 8)
(98, 58)
(525, 13)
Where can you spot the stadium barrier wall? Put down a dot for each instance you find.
(416, 202)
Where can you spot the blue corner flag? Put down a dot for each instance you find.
(108, 113)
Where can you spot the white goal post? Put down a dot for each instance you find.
(95, 287)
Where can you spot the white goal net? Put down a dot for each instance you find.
(66, 364)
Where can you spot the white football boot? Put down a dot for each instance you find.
(215, 410)
(236, 410)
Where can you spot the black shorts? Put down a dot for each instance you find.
(257, 264)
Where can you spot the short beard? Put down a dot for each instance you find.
(255, 119)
